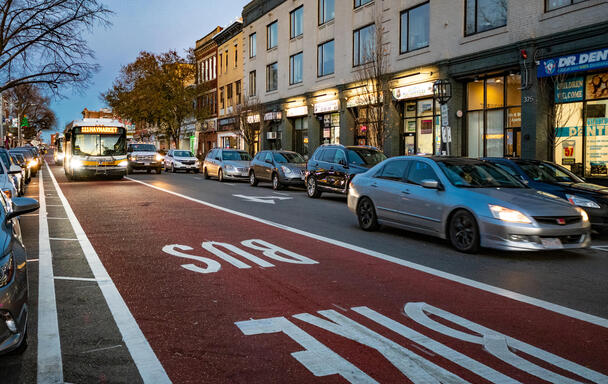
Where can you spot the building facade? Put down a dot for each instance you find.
(205, 52)
(305, 60)
(229, 84)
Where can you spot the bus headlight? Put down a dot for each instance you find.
(123, 163)
(76, 163)
(159, 157)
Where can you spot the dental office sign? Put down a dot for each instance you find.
(573, 63)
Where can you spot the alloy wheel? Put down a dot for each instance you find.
(367, 215)
(463, 232)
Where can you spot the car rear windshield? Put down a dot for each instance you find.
(477, 175)
(548, 173)
(365, 156)
(183, 154)
(142, 148)
(28, 155)
(5, 159)
(236, 156)
(288, 157)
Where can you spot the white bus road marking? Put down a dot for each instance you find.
(262, 199)
(50, 365)
(573, 313)
(148, 365)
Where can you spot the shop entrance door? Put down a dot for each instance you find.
(513, 143)
(409, 144)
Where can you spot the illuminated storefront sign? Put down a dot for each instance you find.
(253, 119)
(414, 91)
(573, 63)
(570, 90)
(270, 116)
(361, 100)
(99, 130)
(327, 106)
(297, 111)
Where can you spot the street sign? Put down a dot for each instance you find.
(444, 115)
(446, 134)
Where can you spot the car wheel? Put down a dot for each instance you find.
(173, 168)
(366, 214)
(205, 174)
(197, 170)
(253, 181)
(312, 190)
(464, 232)
(129, 170)
(220, 176)
(276, 183)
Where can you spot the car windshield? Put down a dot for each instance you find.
(99, 145)
(288, 157)
(477, 175)
(27, 155)
(365, 156)
(142, 148)
(235, 156)
(548, 173)
(183, 154)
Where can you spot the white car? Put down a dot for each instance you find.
(180, 160)
(10, 179)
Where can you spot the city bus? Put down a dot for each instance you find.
(58, 153)
(95, 147)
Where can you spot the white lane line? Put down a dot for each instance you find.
(573, 313)
(75, 278)
(32, 260)
(50, 365)
(54, 205)
(150, 369)
(601, 248)
(57, 218)
(62, 239)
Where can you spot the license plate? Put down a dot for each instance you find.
(146, 163)
(552, 243)
(302, 177)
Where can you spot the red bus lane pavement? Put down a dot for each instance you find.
(224, 298)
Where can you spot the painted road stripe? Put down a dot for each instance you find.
(50, 366)
(62, 239)
(148, 365)
(601, 248)
(75, 278)
(600, 321)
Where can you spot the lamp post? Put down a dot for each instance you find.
(442, 90)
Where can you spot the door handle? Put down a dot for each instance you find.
(374, 185)
(406, 192)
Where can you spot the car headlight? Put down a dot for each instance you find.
(159, 157)
(285, 169)
(76, 163)
(197, 163)
(509, 215)
(230, 168)
(582, 202)
(124, 163)
(31, 164)
(584, 214)
(7, 269)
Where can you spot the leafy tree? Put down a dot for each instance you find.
(158, 89)
(41, 41)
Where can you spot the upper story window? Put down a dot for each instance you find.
(296, 68)
(252, 83)
(221, 61)
(364, 45)
(359, 3)
(222, 104)
(327, 11)
(551, 5)
(229, 93)
(237, 87)
(252, 45)
(483, 15)
(325, 59)
(227, 60)
(272, 77)
(415, 28)
(272, 35)
(236, 55)
(296, 22)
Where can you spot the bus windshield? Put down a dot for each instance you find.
(99, 145)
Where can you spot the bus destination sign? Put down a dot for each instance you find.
(99, 130)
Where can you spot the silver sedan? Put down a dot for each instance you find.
(472, 203)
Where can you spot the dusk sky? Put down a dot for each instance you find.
(152, 25)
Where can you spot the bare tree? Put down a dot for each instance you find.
(249, 120)
(28, 101)
(373, 75)
(41, 41)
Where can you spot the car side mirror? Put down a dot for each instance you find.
(14, 169)
(343, 163)
(21, 206)
(218, 158)
(430, 184)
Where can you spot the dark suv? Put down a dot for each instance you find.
(333, 166)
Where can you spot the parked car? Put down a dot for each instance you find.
(14, 170)
(180, 160)
(32, 161)
(14, 307)
(8, 184)
(20, 159)
(332, 167)
(281, 168)
(470, 202)
(227, 164)
(36, 153)
(557, 180)
(143, 157)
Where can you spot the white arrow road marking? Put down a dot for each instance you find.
(263, 199)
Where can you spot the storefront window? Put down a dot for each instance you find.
(596, 121)
(330, 128)
(421, 127)
(301, 136)
(492, 129)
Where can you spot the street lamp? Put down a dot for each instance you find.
(442, 90)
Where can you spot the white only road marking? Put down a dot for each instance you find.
(600, 321)
(262, 199)
(50, 365)
(148, 365)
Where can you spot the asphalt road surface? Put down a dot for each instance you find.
(172, 278)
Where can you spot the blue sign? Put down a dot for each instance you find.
(570, 90)
(573, 63)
